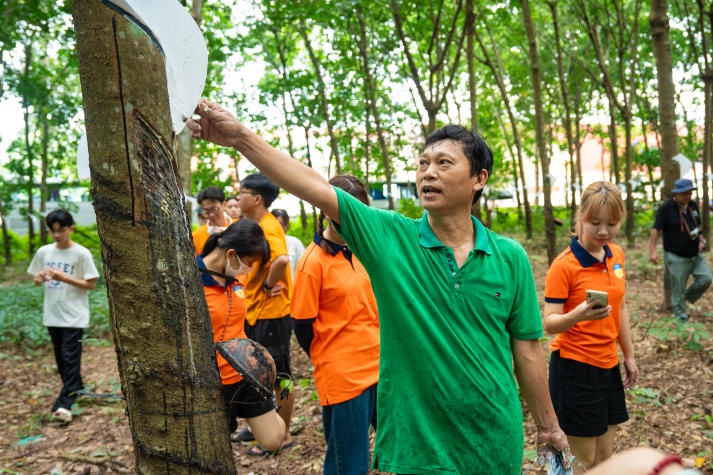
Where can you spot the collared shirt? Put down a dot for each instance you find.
(332, 291)
(446, 342)
(569, 277)
(676, 238)
(226, 305)
(333, 247)
(261, 305)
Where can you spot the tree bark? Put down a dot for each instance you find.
(158, 313)
(659, 26)
(550, 235)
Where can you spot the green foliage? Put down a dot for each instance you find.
(692, 336)
(409, 208)
(21, 307)
(642, 395)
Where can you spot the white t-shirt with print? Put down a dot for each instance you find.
(65, 305)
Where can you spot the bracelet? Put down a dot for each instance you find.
(665, 462)
(267, 287)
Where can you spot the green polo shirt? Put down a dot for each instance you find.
(447, 397)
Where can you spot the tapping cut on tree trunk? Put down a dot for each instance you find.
(158, 314)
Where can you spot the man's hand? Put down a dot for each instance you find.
(554, 440)
(215, 124)
(274, 290)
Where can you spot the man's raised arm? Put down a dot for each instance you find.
(217, 125)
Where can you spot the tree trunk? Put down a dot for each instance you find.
(158, 313)
(551, 237)
(43, 178)
(472, 93)
(5, 237)
(323, 101)
(493, 62)
(659, 26)
(28, 152)
(372, 109)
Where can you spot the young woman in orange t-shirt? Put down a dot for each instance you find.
(240, 247)
(336, 323)
(586, 384)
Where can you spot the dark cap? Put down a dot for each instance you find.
(683, 185)
(252, 361)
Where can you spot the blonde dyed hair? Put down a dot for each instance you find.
(598, 195)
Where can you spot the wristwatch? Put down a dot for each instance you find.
(267, 288)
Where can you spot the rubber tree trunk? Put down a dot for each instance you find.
(158, 314)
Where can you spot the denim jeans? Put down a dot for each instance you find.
(677, 271)
(346, 428)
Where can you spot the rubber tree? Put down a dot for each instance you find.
(158, 314)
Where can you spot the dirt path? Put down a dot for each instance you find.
(671, 409)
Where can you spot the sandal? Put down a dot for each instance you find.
(258, 451)
(242, 436)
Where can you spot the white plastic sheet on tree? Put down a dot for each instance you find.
(184, 51)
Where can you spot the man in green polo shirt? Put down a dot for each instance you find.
(457, 306)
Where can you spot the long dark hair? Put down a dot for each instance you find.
(245, 237)
(351, 185)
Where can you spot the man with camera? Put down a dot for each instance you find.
(680, 222)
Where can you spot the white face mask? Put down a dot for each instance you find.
(242, 268)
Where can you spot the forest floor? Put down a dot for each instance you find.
(671, 408)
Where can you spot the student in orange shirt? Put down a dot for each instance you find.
(239, 248)
(232, 207)
(212, 203)
(585, 380)
(336, 323)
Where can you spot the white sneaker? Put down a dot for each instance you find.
(62, 415)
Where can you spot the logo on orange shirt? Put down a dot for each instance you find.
(239, 291)
(619, 271)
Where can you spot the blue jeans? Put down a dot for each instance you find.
(677, 271)
(346, 428)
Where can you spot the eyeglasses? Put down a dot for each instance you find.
(247, 193)
(61, 230)
(210, 211)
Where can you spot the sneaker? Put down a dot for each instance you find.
(62, 415)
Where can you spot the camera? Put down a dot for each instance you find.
(695, 232)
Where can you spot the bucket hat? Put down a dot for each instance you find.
(683, 185)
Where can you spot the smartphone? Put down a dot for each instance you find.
(602, 298)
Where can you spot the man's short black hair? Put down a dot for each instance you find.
(261, 185)
(61, 216)
(474, 146)
(211, 193)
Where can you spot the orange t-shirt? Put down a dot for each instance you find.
(345, 347)
(260, 304)
(200, 236)
(571, 274)
(227, 317)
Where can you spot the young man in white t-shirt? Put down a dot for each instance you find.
(67, 271)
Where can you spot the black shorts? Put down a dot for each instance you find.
(274, 334)
(243, 400)
(586, 399)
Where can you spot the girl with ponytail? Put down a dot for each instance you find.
(337, 325)
(227, 256)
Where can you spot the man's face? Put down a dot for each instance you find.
(443, 177)
(247, 200)
(60, 233)
(214, 210)
(683, 198)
